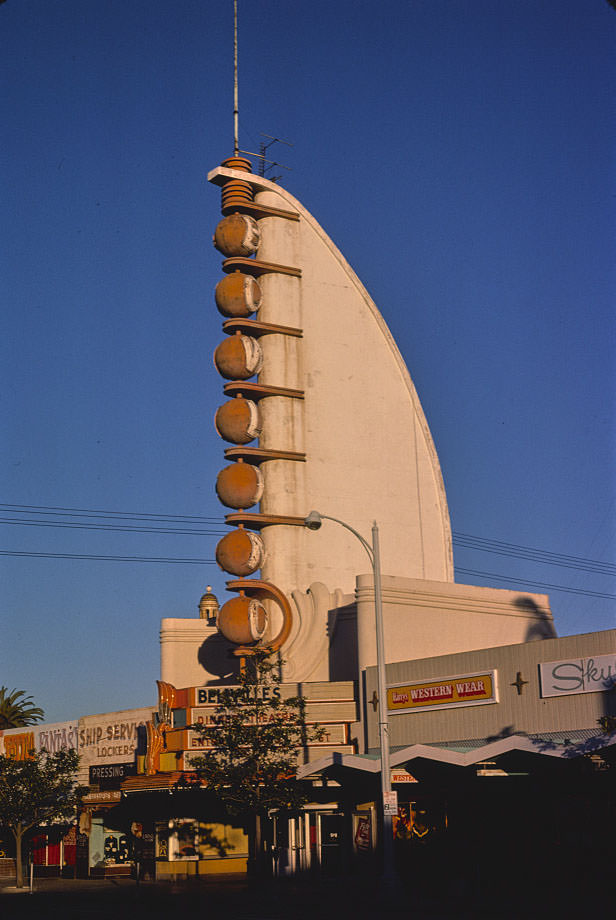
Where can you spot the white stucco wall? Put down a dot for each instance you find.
(422, 618)
(426, 618)
(192, 653)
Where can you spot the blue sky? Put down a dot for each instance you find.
(461, 155)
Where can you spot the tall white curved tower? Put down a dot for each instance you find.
(334, 396)
(320, 413)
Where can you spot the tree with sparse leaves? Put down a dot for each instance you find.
(252, 748)
(608, 724)
(17, 709)
(34, 791)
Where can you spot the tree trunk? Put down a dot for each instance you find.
(19, 869)
(256, 863)
(258, 844)
(251, 829)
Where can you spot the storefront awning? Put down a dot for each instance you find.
(169, 782)
(569, 748)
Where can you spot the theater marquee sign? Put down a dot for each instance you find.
(445, 693)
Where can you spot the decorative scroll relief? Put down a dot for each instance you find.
(307, 651)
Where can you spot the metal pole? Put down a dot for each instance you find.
(388, 838)
(236, 141)
(313, 521)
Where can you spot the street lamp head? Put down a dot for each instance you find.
(313, 521)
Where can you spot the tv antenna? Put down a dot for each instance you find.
(263, 160)
(263, 147)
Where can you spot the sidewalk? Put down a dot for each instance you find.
(223, 898)
(229, 899)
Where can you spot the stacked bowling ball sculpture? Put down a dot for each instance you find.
(243, 620)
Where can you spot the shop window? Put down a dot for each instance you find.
(362, 832)
(107, 847)
(161, 841)
(53, 846)
(69, 846)
(39, 850)
(183, 839)
(220, 840)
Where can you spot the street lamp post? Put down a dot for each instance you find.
(313, 522)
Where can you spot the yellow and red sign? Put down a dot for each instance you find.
(467, 690)
(19, 746)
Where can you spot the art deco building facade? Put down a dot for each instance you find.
(318, 411)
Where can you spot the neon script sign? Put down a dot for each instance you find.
(578, 675)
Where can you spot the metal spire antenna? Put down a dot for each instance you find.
(236, 144)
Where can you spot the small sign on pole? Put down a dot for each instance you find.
(400, 775)
(390, 803)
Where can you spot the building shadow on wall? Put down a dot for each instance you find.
(542, 628)
(216, 657)
(506, 732)
(342, 632)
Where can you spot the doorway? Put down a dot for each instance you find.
(310, 841)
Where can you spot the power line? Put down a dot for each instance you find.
(535, 584)
(99, 558)
(87, 512)
(96, 557)
(518, 551)
(469, 541)
(114, 528)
